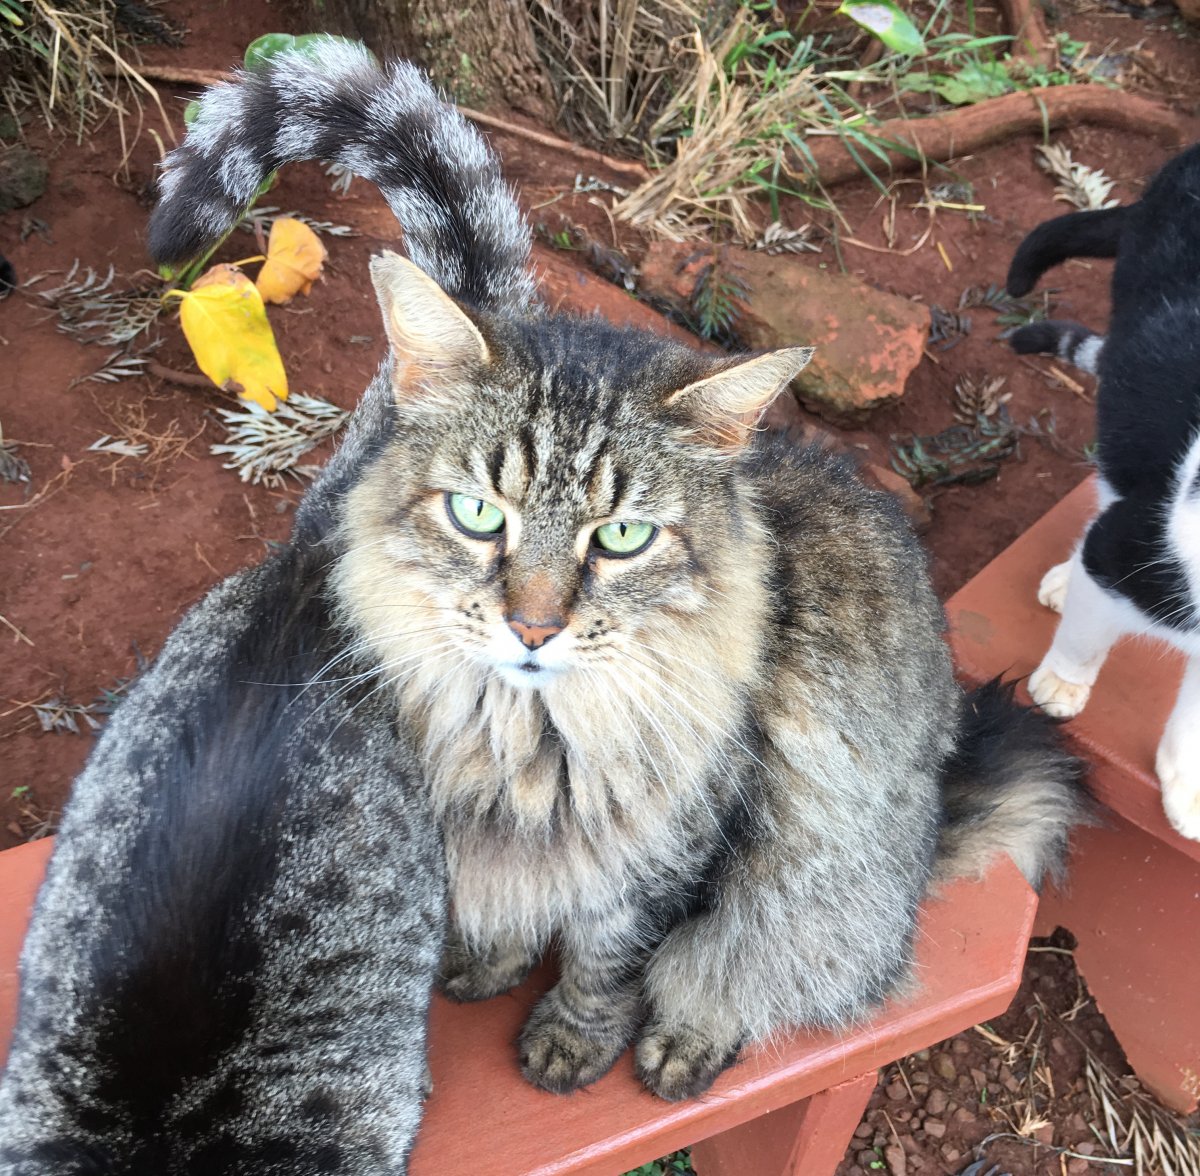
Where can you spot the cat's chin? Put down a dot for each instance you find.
(527, 676)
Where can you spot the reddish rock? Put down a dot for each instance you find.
(867, 341)
(896, 1160)
(566, 287)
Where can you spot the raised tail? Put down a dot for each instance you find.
(1071, 341)
(333, 101)
(1010, 786)
(1094, 233)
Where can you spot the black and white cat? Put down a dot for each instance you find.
(1137, 570)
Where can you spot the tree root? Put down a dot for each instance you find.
(968, 129)
(1024, 21)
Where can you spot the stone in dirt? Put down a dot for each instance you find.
(23, 177)
(867, 341)
(896, 1160)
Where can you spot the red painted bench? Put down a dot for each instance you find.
(788, 1110)
(1133, 897)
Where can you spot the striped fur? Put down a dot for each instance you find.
(720, 785)
(461, 225)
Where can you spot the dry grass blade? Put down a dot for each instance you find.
(1087, 188)
(75, 60)
(615, 64)
(736, 134)
(263, 446)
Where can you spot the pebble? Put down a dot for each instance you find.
(896, 1161)
(1058, 1046)
(951, 1154)
(902, 1116)
(935, 1104)
(960, 1047)
(943, 1067)
(1045, 1134)
(866, 1159)
(910, 1145)
(897, 1091)
(1075, 1166)
(1078, 1124)
(962, 1115)
(1087, 1147)
(921, 1076)
(979, 1078)
(935, 1128)
(863, 1130)
(1009, 1081)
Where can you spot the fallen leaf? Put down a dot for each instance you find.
(225, 322)
(295, 256)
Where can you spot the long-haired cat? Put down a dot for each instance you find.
(230, 963)
(680, 691)
(1137, 568)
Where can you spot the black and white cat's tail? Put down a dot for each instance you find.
(1077, 344)
(333, 101)
(1010, 786)
(1093, 233)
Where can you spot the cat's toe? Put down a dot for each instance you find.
(1179, 776)
(466, 977)
(1052, 591)
(678, 1062)
(1055, 695)
(557, 1057)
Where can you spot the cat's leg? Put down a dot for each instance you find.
(477, 973)
(1090, 626)
(1178, 760)
(581, 1026)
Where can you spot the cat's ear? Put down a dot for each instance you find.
(436, 346)
(723, 409)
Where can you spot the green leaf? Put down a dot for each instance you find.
(888, 22)
(259, 52)
(191, 111)
(975, 81)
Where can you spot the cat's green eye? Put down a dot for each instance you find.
(624, 538)
(475, 516)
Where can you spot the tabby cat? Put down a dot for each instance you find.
(1137, 568)
(680, 691)
(231, 961)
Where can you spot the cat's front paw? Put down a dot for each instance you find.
(1052, 591)
(466, 975)
(678, 1062)
(1055, 695)
(1179, 775)
(558, 1056)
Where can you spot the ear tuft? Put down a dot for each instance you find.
(724, 408)
(436, 345)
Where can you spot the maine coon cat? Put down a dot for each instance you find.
(230, 963)
(680, 691)
(1137, 569)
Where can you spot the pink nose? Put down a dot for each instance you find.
(535, 635)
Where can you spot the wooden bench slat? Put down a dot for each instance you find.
(488, 1120)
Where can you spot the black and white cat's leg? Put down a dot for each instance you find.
(581, 1026)
(1178, 760)
(1092, 621)
(478, 971)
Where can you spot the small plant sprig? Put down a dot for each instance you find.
(714, 301)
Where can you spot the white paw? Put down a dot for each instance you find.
(1179, 776)
(1057, 697)
(1052, 591)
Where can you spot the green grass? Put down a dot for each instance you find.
(676, 1164)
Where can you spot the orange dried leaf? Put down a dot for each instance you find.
(225, 322)
(295, 256)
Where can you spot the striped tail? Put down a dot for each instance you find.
(461, 222)
(1073, 342)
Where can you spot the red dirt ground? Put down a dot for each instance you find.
(100, 558)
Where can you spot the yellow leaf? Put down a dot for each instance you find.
(295, 256)
(225, 322)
